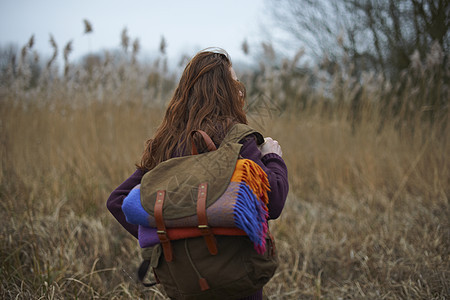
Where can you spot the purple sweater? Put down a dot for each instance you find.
(271, 163)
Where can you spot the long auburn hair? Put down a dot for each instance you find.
(207, 98)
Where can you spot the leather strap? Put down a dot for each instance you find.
(208, 141)
(210, 240)
(161, 227)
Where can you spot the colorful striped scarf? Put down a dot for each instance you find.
(243, 206)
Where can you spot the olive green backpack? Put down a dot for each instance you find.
(208, 266)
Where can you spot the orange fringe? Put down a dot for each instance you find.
(251, 173)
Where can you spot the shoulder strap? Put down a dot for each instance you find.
(240, 131)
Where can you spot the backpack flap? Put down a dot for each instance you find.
(180, 177)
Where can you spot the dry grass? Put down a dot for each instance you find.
(366, 216)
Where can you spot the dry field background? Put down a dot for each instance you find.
(367, 216)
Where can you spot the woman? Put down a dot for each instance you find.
(208, 97)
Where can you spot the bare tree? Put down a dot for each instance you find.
(374, 34)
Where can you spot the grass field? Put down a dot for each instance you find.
(367, 216)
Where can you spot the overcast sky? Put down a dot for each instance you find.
(187, 26)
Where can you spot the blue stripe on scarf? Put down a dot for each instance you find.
(250, 215)
(133, 210)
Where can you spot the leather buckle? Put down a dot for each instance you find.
(205, 230)
(162, 235)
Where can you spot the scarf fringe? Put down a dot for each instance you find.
(251, 212)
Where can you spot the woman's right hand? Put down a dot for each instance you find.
(270, 146)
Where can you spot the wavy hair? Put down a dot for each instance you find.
(207, 98)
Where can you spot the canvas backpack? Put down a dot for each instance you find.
(209, 266)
